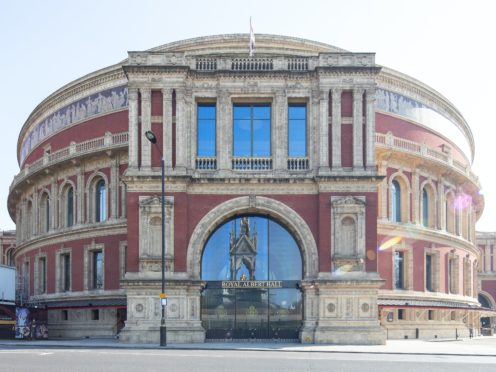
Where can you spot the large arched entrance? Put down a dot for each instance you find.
(252, 268)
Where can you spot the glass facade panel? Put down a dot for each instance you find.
(399, 270)
(297, 131)
(97, 269)
(70, 207)
(249, 250)
(428, 272)
(101, 202)
(425, 208)
(251, 131)
(206, 130)
(396, 201)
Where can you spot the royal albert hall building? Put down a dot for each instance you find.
(310, 195)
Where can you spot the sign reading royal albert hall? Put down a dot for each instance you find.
(252, 284)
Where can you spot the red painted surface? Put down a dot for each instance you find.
(156, 157)
(157, 106)
(94, 128)
(347, 104)
(489, 286)
(77, 250)
(347, 145)
(408, 130)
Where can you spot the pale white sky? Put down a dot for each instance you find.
(447, 44)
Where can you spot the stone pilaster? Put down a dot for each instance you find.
(358, 128)
(80, 195)
(146, 125)
(416, 197)
(114, 188)
(370, 128)
(167, 127)
(310, 312)
(280, 132)
(224, 138)
(35, 212)
(181, 139)
(133, 127)
(441, 205)
(336, 129)
(53, 204)
(324, 131)
(487, 258)
(383, 191)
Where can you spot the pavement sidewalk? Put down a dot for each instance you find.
(480, 346)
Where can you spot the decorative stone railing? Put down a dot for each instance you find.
(252, 163)
(298, 164)
(257, 63)
(404, 145)
(206, 163)
(107, 142)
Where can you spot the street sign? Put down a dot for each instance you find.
(163, 295)
(163, 301)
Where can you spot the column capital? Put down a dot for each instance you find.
(132, 93)
(336, 94)
(358, 93)
(145, 94)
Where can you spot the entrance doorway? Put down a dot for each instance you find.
(252, 268)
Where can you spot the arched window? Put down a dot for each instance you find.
(425, 208)
(100, 201)
(395, 201)
(69, 200)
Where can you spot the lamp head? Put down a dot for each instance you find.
(150, 136)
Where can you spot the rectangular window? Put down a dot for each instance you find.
(401, 314)
(297, 130)
(42, 274)
(95, 314)
(66, 272)
(97, 269)
(251, 130)
(428, 273)
(431, 314)
(205, 146)
(399, 269)
(26, 279)
(64, 315)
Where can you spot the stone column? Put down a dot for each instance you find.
(336, 129)
(114, 188)
(324, 131)
(167, 127)
(224, 138)
(146, 125)
(357, 128)
(383, 190)
(181, 143)
(280, 132)
(80, 194)
(133, 127)
(35, 211)
(416, 197)
(370, 128)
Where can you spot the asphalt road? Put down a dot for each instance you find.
(19, 359)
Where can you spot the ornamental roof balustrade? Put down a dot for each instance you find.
(263, 62)
(404, 145)
(107, 142)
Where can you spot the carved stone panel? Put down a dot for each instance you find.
(150, 227)
(348, 232)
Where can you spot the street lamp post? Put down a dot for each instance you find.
(150, 136)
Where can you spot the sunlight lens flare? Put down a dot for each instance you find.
(389, 243)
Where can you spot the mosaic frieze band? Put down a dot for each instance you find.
(96, 104)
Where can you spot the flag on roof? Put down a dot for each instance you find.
(252, 40)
